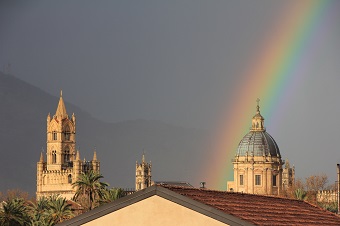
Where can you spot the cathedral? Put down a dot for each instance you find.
(258, 166)
(63, 164)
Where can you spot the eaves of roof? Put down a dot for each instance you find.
(161, 192)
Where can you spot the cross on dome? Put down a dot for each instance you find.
(258, 120)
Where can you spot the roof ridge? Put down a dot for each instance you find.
(233, 192)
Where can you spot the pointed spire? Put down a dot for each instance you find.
(94, 155)
(41, 157)
(77, 156)
(61, 110)
(143, 157)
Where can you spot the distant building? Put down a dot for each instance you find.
(258, 167)
(327, 196)
(143, 174)
(143, 178)
(173, 205)
(63, 164)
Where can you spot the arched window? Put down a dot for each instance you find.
(54, 135)
(66, 156)
(69, 179)
(54, 157)
(67, 133)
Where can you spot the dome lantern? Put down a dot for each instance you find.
(258, 120)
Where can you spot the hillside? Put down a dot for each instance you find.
(175, 151)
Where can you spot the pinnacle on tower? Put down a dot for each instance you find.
(41, 157)
(61, 110)
(77, 156)
(143, 157)
(94, 156)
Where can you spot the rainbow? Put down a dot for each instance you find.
(278, 69)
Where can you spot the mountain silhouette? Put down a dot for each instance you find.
(176, 152)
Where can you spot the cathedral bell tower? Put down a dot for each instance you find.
(143, 174)
(63, 165)
(61, 139)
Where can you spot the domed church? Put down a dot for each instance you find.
(258, 166)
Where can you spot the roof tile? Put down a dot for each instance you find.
(259, 209)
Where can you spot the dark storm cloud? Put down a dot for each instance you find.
(176, 61)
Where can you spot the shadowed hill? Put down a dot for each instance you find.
(175, 151)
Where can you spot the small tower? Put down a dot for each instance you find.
(288, 176)
(143, 174)
(63, 165)
(95, 163)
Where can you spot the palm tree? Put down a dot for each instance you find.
(49, 211)
(110, 195)
(89, 187)
(37, 210)
(59, 210)
(14, 212)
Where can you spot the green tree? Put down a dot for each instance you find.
(300, 194)
(110, 195)
(58, 209)
(14, 212)
(89, 189)
(50, 211)
(39, 212)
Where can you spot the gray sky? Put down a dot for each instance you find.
(180, 62)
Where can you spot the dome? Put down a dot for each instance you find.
(258, 143)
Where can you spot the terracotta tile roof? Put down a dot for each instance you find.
(259, 209)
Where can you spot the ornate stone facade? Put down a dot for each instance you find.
(143, 174)
(258, 167)
(63, 165)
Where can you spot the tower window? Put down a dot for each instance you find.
(257, 179)
(241, 179)
(54, 157)
(69, 179)
(274, 180)
(66, 156)
(54, 135)
(67, 133)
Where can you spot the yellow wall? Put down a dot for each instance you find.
(155, 211)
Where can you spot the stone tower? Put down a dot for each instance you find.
(258, 167)
(143, 174)
(63, 165)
